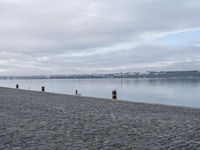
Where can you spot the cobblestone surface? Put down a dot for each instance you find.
(36, 120)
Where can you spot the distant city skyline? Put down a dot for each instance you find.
(104, 36)
(148, 74)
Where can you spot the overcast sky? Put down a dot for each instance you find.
(98, 36)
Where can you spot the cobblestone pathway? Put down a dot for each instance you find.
(35, 120)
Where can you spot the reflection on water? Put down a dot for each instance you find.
(182, 92)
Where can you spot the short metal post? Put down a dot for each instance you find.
(43, 89)
(114, 94)
(76, 92)
(17, 86)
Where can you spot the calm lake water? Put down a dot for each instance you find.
(181, 92)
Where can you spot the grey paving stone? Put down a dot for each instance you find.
(35, 120)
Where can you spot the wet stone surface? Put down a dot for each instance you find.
(36, 120)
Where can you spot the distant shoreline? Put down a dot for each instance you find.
(97, 78)
(122, 75)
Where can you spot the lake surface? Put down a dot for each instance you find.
(181, 92)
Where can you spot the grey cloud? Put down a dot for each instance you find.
(59, 36)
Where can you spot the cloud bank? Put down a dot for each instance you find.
(90, 36)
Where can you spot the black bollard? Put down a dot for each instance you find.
(43, 89)
(17, 86)
(114, 94)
